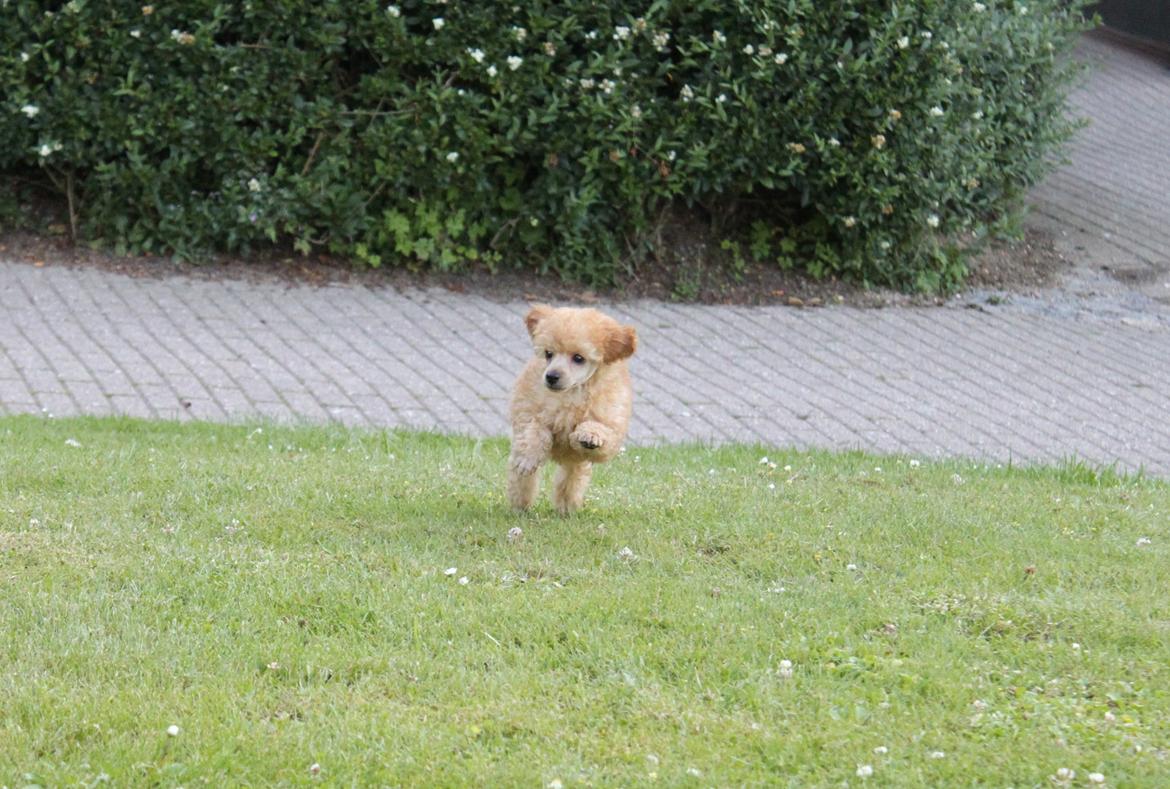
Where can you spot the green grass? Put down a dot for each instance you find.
(280, 595)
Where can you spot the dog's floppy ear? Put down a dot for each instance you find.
(535, 315)
(620, 343)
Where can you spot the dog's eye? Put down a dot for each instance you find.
(578, 359)
(548, 354)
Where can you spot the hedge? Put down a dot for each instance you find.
(858, 138)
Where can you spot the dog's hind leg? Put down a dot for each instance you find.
(569, 486)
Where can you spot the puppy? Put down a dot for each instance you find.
(571, 404)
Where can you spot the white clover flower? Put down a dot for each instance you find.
(979, 8)
(1064, 775)
(450, 571)
(314, 769)
(173, 730)
(938, 755)
(464, 581)
(694, 772)
(1096, 778)
(687, 93)
(520, 33)
(881, 750)
(932, 220)
(936, 111)
(780, 59)
(550, 48)
(749, 50)
(394, 11)
(30, 110)
(915, 463)
(438, 22)
(621, 33)
(1142, 541)
(253, 185)
(453, 157)
(661, 38)
(903, 42)
(515, 533)
(492, 71)
(476, 55)
(514, 61)
(864, 770)
(626, 555)
(786, 669)
(718, 37)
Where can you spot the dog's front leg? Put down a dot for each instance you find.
(530, 448)
(599, 441)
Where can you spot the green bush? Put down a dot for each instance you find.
(853, 137)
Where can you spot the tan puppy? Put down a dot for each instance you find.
(571, 404)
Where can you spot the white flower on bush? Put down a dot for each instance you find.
(520, 33)
(253, 185)
(30, 110)
(926, 35)
(977, 115)
(850, 221)
(182, 37)
(670, 157)
(453, 157)
(687, 93)
(979, 8)
(932, 220)
(834, 142)
(514, 61)
(718, 37)
(765, 51)
(393, 10)
(48, 149)
(1022, 9)
(587, 83)
(136, 33)
(661, 39)
(607, 86)
(878, 141)
(903, 42)
(936, 111)
(24, 57)
(438, 22)
(591, 35)
(621, 33)
(780, 59)
(749, 50)
(636, 111)
(492, 71)
(721, 98)
(640, 24)
(476, 55)
(550, 48)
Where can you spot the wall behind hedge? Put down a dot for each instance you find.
(857, 136)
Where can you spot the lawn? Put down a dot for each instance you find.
(346, 608)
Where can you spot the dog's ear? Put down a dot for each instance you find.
(535, 315)
(620, 343)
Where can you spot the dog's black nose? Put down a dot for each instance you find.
(552, 377)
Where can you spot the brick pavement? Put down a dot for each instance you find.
(1081, 371)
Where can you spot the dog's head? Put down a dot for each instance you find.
(576, 342)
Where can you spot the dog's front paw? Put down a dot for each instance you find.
(586, 440)
(524, 465)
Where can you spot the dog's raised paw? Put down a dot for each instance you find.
(524, 465)
(587, 440)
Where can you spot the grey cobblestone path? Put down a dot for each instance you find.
(1081, 373)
